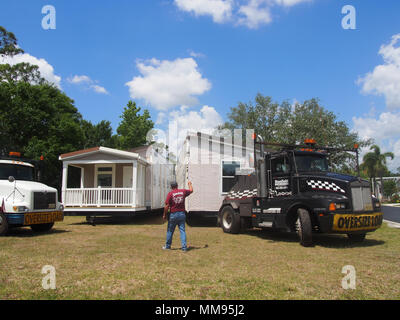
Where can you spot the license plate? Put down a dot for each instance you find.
(357, 222)
(43, 217)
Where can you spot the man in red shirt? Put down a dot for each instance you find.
(175, 202)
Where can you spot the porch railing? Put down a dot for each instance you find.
(104, 197)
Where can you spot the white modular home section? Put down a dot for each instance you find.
(210, 163)
(108, 180)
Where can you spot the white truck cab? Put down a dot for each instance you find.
(24, 201)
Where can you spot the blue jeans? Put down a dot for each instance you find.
(176, 219)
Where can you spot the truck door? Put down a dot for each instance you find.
(280, 176)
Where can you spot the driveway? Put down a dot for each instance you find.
(391, 213)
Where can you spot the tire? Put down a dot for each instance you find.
(304, 227)
(3, 225)
(230, 220)
(356, 237)
(42, 227)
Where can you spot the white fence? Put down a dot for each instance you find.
(104, 197)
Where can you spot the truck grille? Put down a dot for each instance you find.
(361, 196)
(44, 200)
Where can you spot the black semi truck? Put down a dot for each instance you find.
(292, 189)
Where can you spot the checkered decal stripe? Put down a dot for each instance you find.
(324, 185)
(242, 194)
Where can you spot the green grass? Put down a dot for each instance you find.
(125, 261)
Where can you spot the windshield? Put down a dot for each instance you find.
(310, 163)
(19, 172)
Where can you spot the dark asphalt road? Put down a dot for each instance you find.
(391, 213)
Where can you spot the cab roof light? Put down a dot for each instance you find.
(14, 154)
(310, 141)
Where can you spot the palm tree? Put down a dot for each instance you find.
(374, 163)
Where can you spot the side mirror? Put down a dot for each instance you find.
(11, 179)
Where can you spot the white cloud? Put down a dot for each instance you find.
(183, 120)
(99, 89)
(46, 70)
(219, 10)
(196, 54)
(86, 80)
(161, 118)
(254, 14)
(250, 13)
(386, 126)
(165, 84)
(79, 79)
(385, 131)
(289, 3)
(385, 79)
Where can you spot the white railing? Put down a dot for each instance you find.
(104, 197)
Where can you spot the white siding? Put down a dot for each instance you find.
(200, 162)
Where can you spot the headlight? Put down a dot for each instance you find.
(340, 206)
(336, 206)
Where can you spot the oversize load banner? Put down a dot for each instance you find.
(43, 217)
(357, 222)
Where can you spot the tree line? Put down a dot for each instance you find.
(37, 118)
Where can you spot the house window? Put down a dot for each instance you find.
(105, 176)
(229, 174)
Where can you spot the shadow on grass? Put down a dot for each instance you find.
(201, 222)
(152, 219)
(26, 232)
(319, 240)
(190, 248)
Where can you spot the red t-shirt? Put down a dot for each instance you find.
(176, 199)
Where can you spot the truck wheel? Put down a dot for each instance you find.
(3, 225)
(230, 221)
(42, 227)
(356, 237)
(304, 227)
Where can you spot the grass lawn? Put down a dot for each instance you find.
(125, 261)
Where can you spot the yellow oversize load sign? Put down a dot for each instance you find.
(357, 222)
(43, 217)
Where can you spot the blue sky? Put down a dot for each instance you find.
(192, 60)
